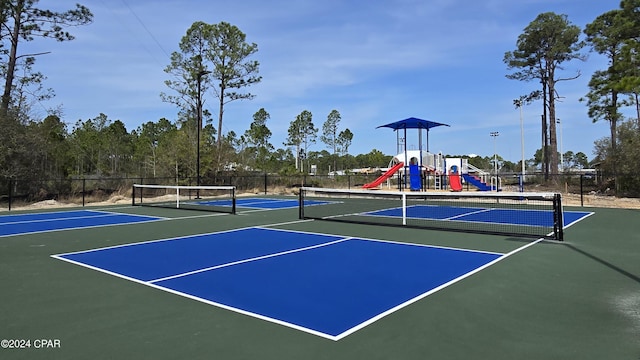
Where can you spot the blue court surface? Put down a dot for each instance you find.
(484, 215)
(262, 203)
(64, 220)
(326, 285)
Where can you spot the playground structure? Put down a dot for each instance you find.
(433, 171)
(419, 170)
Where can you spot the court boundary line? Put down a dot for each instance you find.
(453, 219)
(100, 215)
(386, 241)
(587, 215)
(256, 258)
(360, 325)
(54, 219)
(343, 238)
(165, 239)
(152, 219)
(501, 256)
(153, 283)
(192, 297)
(31, 212)
(434, 290)
(276, 200)
(459, 218)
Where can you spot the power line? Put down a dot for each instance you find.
(131, 31)
(146, 29)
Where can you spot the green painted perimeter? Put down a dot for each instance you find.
(574, 300)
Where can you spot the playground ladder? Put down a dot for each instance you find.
(438, 182)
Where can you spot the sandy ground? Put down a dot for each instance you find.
(601, 201)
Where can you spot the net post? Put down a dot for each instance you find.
(133, 195)
(558, 223)
(404, 209)
(581, 190)
(266, 180)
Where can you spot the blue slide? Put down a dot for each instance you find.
(481, 185)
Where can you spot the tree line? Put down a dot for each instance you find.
(548, 43)
(216, 58)
(103, 147)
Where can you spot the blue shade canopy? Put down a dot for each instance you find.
(413, 123)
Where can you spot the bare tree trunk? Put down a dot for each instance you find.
(637, 111)
(553, 138)
(545, 138)
(13, 54)
(220, 111)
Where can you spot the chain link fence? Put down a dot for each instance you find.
(17, 193)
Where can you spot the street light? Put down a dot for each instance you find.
(199, 75)
(494, 135)
(519, 104)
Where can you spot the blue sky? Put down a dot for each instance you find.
(374, 61)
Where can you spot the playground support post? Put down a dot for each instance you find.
(522, 141)
(494, 135)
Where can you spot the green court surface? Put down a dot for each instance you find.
(576, 299)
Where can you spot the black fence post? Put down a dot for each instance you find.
(301, 205)
(581, 190)
(10, 192)
(266, 180)
(84, 186)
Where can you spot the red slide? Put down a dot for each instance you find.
(384, 176)
(454, 182)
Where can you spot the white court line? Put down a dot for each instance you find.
(208, 302)
(173, 238)
(382, 241)
(126, 214)
(152, 241)
(432, 291)
(58, 219)
(153, 283)
(467, 214)
(587, 214)
(152, 219)
(45, 212)
(294, 326)
(248, 260)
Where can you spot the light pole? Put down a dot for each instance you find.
(521, 138)
(199, 75)
(561, 156)
(494, 135)
(518, 103)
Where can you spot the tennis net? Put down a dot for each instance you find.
(516, 214)
(206, 198)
